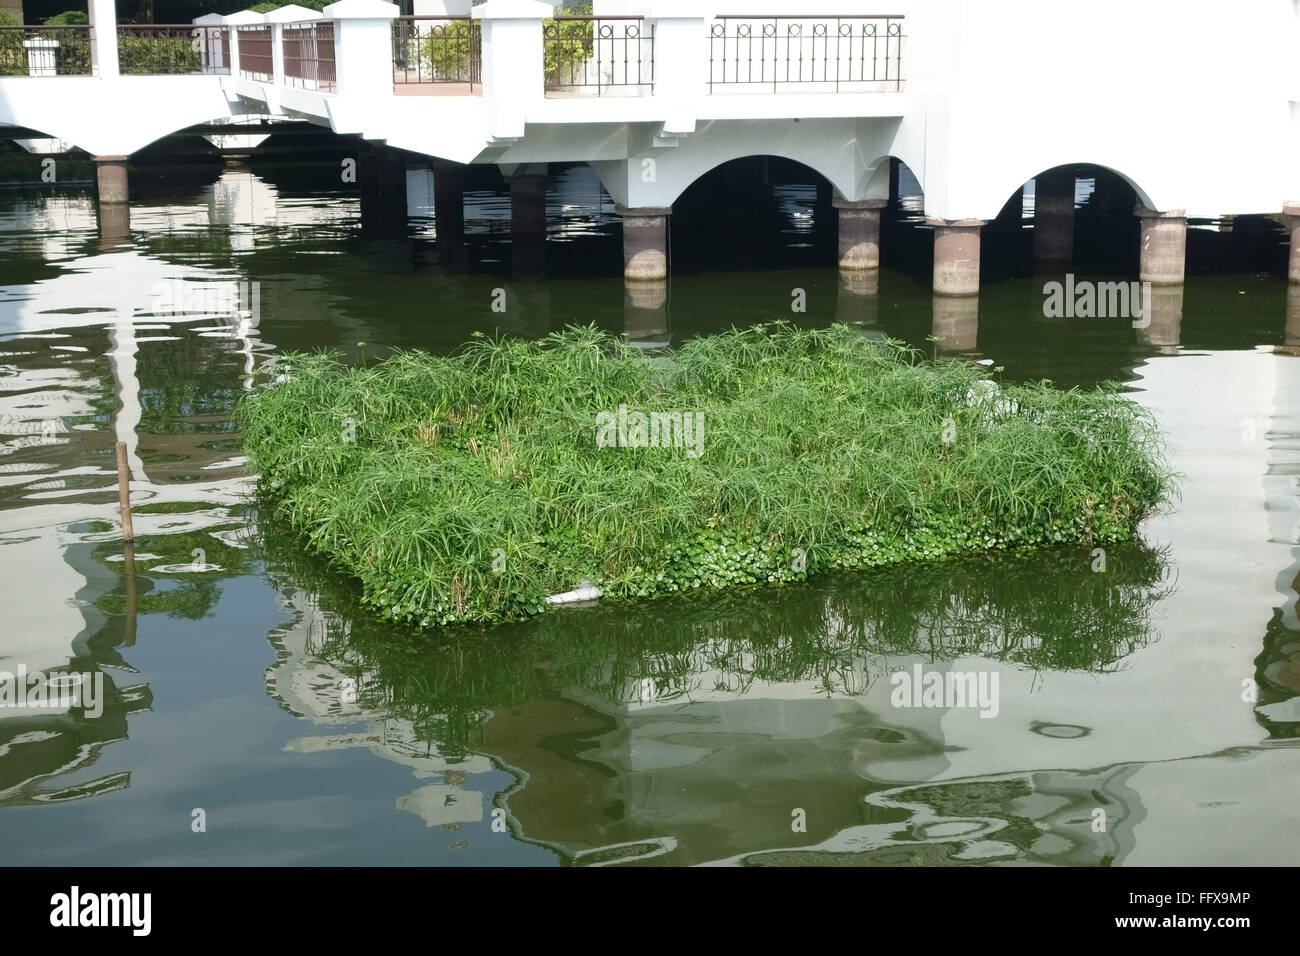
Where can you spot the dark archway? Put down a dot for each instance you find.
(1073, 217)
(756, 211)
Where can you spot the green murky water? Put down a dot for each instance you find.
(1145, 714)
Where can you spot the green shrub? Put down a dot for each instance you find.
(73, 57)
(153, 56)
(13, 59)
(823, 449)
(447, 54)
(566, 47)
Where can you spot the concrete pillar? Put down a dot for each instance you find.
(381, 176)
(449, 199)
(527, 207)
(527, 223)
(645, 243)
(114, 210)
(368, 179)
(392, 179)
(859, 233)
(645, 314)
(449, 212)
(110, 174)
(1163, 259)
(955, 322)
(956, 256)
(1292, 212)
(1054, 221)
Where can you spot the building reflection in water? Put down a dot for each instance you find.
(116, 351)
(692, 734)
(857, 298)
(1292, 338)
(1164, 330)
(307, 686)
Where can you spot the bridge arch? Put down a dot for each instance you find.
(995, 194)
(753, 209)
(657, 179)
(94, 122)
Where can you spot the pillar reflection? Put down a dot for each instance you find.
(956, 322)
(645, 314)
(1164, 326)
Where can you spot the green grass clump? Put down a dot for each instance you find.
(466, 488)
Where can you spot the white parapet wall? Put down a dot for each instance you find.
(1193, 103)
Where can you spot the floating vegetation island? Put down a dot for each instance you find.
(468, 488)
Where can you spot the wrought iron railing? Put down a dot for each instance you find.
(255, 59)
(438, 50)
(45, 51)
(602, 53)
(154, 49)
(309, 55)
(782, 53)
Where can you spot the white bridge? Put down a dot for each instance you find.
(1195, 104)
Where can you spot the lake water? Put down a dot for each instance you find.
(1146, 713)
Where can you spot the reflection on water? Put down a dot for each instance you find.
(756, 727)
(697, 719)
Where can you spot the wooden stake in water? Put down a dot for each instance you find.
(132, 599)
(124, 493)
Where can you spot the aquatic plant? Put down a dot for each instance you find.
(466, 488)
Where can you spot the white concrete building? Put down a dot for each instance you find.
(1195, 105)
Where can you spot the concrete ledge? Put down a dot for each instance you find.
(1144, 213)
(956, 223)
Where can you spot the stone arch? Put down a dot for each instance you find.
(752, 156)
(1013, 182)
(93, 121)
(880, 173)
(1051, 244)
(656, 179)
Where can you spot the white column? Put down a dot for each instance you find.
(681, 52)
(363, 46)
(512, 61)
(213, 48)
(103, 45)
